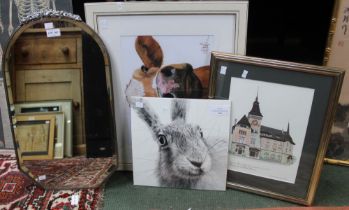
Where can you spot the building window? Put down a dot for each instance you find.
(253, 153)
(241, 132)
(240, 150)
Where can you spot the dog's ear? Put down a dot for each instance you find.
(149, 51)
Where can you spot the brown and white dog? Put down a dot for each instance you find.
(155, 80)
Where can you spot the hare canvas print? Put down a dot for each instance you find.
(180, 143)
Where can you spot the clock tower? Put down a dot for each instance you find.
(255, 117)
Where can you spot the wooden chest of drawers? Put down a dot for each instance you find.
(51, 69)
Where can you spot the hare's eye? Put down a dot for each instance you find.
(162, 140)
(201, 134)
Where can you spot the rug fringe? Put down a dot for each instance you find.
(100, 205)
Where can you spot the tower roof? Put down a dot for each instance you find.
(244, 121)
(255, 109)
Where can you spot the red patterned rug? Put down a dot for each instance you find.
(19, 192)
(71, 173)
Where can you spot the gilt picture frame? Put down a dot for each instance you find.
(337, 48)
(179, 33)
(282, 114)
(35, 136)
(47, 107)
(59, 132)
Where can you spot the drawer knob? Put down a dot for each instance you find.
(24, 52)
(65, 51)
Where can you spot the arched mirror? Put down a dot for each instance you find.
(59, 89)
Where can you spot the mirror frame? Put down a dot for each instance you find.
(51, 16)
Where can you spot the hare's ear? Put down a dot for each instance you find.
(149, 117)
(179, 107)
(149, 51)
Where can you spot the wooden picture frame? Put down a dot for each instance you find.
(59, 133)
(64, 106)
(184, 32)
(335, 56)
(41, 129)
(282, 114)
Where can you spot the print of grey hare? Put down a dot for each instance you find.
(186, 156)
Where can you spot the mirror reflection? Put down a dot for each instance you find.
(59, 89)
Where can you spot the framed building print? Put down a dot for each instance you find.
(281, 119)
(35, 136)
(338, 48)
(157, 48)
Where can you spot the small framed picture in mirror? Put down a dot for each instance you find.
(35, 136)
(58, 132)
(63, 106)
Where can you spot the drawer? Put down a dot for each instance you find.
(45, 51)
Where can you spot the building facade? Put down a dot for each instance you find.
(253, 140)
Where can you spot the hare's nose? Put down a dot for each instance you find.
(195, 163)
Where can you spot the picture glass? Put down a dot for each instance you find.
(269, 124)
(38, 131)
(180, 143)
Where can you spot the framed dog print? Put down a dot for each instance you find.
(35, 136)
(281, 120)
(163, 49)
(338, 48)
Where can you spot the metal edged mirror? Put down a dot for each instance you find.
(59, 88)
